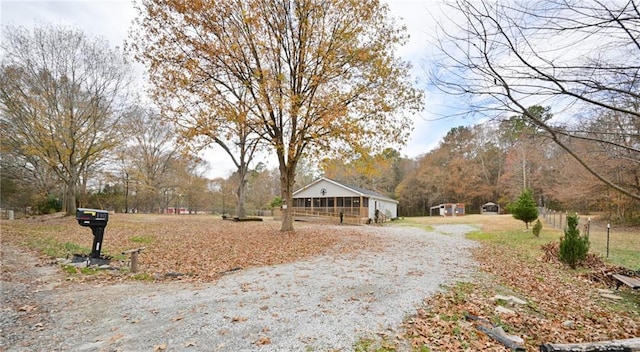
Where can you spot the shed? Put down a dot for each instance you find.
(329, 197)
(448, 209)
(490, 209)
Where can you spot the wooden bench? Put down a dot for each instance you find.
(627, 280)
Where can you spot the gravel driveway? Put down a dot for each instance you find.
(324, 303)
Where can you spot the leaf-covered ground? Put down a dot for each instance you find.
(196, 248)
(562, 307)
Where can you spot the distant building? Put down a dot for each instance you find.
(329, 197)
(178, 211)
(447, 209)
(490, 209)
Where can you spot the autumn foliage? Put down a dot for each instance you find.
(301, 76)
(195, 248)
(561, 307)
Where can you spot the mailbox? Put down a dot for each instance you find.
(92, 217)
(95, 219)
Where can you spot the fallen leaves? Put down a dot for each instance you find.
(238, 319)
(160, 347)
(27, 308)
(115, 338)
(195, 248)
(263, 341)
(561, 307)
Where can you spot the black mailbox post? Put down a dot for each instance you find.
(97, 220)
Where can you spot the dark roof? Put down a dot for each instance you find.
(349, 187)
(361, 190)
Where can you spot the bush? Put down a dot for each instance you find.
(48, 205)
(276, 203)
(573, 247)
(537, 227)
(524, 208)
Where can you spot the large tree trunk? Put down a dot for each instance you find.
(242, 197)
(70, 199)
(287, 175)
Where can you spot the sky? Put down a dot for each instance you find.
(111, 20)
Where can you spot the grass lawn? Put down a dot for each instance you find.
(562, 305)
(624, 242)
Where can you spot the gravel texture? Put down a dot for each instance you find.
(325, 303)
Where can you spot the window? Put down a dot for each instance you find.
(365, 202)
(340, 201)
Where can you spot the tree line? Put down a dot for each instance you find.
(495, 162)
(303, 81)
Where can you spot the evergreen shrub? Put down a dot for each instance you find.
(573, 246)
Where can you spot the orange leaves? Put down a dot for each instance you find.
(311, 65)
(561, 308)
(263, 341)
(27, 308)
(189, 248)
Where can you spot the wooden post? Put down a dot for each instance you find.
(134, 258)
(134, 262)
(608, 230)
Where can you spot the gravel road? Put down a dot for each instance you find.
(325, 303)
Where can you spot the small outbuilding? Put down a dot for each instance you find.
(490, 209)
(448, 209)
(332, 198)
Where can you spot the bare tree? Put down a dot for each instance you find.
(147, 156)
(582, 58)
(224, 124)
(315, 75)
(60, 95)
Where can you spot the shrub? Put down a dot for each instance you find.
(537, 227)
(48, 205)
(276, 202)
(573, 247)
(524, 208)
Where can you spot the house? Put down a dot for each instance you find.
(330, 198)
(448, 209)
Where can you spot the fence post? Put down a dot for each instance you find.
(608, 228)
(588, 229)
